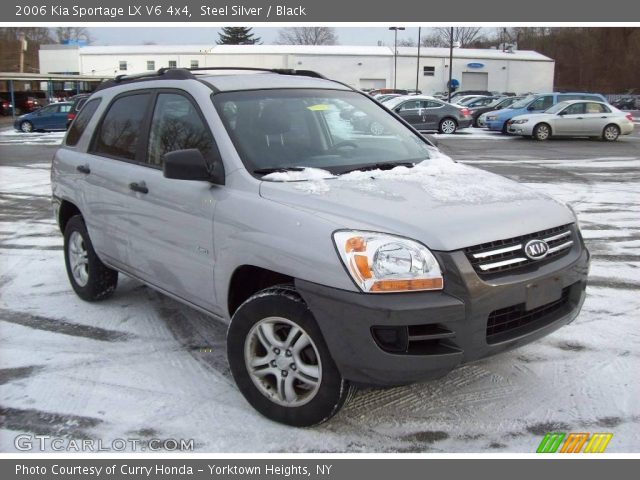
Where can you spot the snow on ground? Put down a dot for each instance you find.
(14, 137)
(134, 366)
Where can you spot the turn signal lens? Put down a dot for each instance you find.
(383, 263)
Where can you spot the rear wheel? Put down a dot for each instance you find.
(280, 361)
(541, 132)
(611, 133)
(26, 127)
(91, 279)
(448, 126)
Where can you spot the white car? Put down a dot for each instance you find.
(462, 100)
(574, 118)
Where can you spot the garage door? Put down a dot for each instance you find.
(475, 81)
(373, 83)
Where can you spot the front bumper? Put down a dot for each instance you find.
(449, 327)
(495, 125)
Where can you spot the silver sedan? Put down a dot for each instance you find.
(574, 118)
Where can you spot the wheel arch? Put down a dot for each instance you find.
(66, 211)
(246, 280)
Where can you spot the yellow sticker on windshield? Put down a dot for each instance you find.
(319, 107)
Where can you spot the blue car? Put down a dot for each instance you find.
(51, 117)
(536, 103)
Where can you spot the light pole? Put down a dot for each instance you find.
(395, 54)
(418, 60)
(450, 63)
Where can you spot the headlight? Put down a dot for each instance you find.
(524, 120)
(381, 263)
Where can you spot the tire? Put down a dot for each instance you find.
(505, 128)
(542, 132)
(610, 133)
(91, 279)
(448, 126)
(307, 391)
(26, 127)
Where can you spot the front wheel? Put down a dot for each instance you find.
(280, 361)
(542, 132)
(26, 127)
(611, 133)
(448, 126)
(91, 279)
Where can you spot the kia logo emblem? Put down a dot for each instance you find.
(536, 249)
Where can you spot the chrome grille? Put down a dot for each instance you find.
(508, 255)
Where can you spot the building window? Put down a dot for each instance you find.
(195, 64)
(151, 65)
(428, 71)
(173, 64)
(123, 65)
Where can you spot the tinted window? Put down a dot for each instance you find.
(412, 105)
(542, 103)
(176, 125)
(81, 121)
(120, 129)
(575, 109)
(431, 104)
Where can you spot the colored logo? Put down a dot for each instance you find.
(536, 249)
(574, 443)
(475, 65)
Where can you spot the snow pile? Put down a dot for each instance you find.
(298, 175)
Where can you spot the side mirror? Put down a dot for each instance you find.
(531, 108)
(190, 164)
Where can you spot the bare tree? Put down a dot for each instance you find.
(73, 33)
(441, 36)
(407, 42)
(307, 36)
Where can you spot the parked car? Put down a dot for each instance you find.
(462, 93)
(464, 99)
(537, 103)
(478, 110)
(574, 118)
(51, 117)
(6, 108)
(379, 91)
(428, 113)
(383, 97)
(626, 103)
(27, 102)
(77, 102)
(337, 259)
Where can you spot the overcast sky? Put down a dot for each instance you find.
(204, 35)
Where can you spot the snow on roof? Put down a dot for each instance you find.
(471, 53)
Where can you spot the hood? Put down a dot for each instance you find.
(443, 204)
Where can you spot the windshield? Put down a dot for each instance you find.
(524, 102)
(325, 129)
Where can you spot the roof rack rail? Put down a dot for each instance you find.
(185, 74)
(281, 71)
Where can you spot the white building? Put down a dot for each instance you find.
(359, 66)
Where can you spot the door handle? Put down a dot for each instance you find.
(83, 169)
(579, 118)
(603, 117)
(139, 187)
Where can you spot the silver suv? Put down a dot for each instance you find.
(337, 257)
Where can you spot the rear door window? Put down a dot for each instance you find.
(81, 122)
(542, 103)
(121, 128)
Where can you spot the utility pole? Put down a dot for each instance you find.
(418, 60)
(395, 54)
(450, 63)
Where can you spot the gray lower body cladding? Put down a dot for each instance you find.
(395, 339)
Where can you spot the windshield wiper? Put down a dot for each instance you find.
(379, 166)
(267, 171)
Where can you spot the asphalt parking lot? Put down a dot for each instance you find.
(140, 365)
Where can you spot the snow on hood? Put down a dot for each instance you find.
(445, 204)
